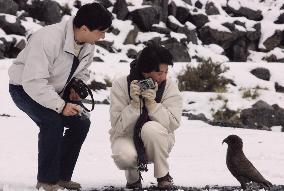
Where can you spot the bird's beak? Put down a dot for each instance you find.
(224, 141)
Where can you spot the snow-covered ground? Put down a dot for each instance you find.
(198, 158)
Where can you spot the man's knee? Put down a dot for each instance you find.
(85, 125)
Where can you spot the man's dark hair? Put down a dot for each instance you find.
(152, 56)
(94, 16)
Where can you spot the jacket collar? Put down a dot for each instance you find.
(69, 41)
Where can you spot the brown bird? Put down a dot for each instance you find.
(240, 167)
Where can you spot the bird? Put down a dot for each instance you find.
(239, 166)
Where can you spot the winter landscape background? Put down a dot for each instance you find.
(244, 40)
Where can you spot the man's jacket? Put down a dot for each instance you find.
(123, 115)
(43, 66)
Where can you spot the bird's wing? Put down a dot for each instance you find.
(246, 169)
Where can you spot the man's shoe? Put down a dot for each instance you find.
(48, 186)
(70, 185)
(134, 186)
(166, 182)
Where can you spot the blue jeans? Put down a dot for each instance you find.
(58, 150)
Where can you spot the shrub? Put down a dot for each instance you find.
(204, 78)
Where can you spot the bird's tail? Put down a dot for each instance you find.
(266, 184)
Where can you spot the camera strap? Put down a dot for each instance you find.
(92, 97)
(75, 65)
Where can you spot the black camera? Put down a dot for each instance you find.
(146, 84)
(79, 87)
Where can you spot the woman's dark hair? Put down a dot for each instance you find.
(94, 16)
(152, 56)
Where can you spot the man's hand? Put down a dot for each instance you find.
(73, 96)
(71, 109)
(135, 92)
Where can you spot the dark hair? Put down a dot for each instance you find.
(152, 56)
(94, 16)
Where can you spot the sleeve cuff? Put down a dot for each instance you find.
(59, 108)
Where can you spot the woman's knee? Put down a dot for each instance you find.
(152, 129)
(124, 154)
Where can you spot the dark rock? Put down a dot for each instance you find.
(262, 116)
(97, 85)
(251, 14)
(278, 87)
(106, 45)
(178, 50)
(198, 19)
(211, 9)
(105, 3)
(163, 4)
(213, 36)
(21, 3)
(280, 19)
(189, 33)
(273, 41)
(11, 48)
(120, 9)
(254, 35)
(261, 73)
(161, 30)
(172, 9)
(238, 51)
(131, 36)
(113, 30)
(12, 28)
(198, 4)
(77, 4)
(273, 58)
(47, 11)
(131, 53)
(199, 116)
(8, 7)
(144, 18)
(182, 14)
(97, 59)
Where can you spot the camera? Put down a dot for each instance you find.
(146, 84)
(79, 87)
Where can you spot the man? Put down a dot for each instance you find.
(38, 77)
(143, 122)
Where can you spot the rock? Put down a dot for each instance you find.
(273, 41)
(261, 73)
(144, 18)
(278, 87)
(211, 9)
(178, 50)
(12, 28)
(120, 9)
(280, 19)
(8, 7)
(262, 116)
(47, 11)
(131, 53)
(198, 4)
(106, 45)
(131, 36)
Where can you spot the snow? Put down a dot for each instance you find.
(198, 158)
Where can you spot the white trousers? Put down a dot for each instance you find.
(158, 144)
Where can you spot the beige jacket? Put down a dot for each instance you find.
(43, 66)
(123, 115)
